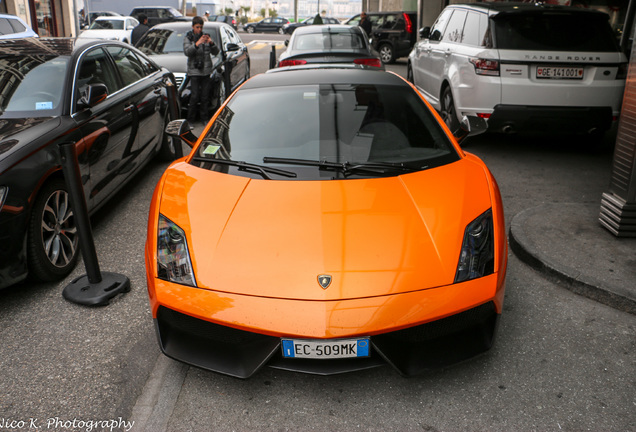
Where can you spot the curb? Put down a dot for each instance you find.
(523, 246)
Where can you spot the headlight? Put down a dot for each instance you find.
(3, 195)
(173, 258)
(477, 257)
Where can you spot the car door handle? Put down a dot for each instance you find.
(129, 108)
(157, 90)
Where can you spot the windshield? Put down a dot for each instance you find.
(158, 41)
(554, 31)
(107, 25)
(30, 86)
(340, 123)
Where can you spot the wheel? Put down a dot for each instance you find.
(409, 74)
(52, 237)
(281, 30)
(168, 149)
(448, 112)
(386, 53)
(250, 29)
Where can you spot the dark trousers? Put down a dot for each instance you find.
(199, 98)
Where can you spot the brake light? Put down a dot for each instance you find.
(233, 21)
(375, 62)
(409, 24)
(284, 63)
(485, 67)
(485, 116)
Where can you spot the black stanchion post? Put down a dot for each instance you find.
(173, 107)
(96, 288)
(272, 57)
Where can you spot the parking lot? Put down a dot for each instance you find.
(561, 361)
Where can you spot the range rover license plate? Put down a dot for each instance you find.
(551, 72)
(325, 349)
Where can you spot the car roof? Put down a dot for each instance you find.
(523, 7)
(172, 25)
(113, 18)
(323, 75)
(47, 46)
(331, 28)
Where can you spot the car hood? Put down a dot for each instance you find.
(16, 133)
(174, 62)
(373, 237)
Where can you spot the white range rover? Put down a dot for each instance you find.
(524, 67)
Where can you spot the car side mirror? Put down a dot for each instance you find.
(94, 94)
(232, 47)
(425, 32)
(470, 126)
(181, 129)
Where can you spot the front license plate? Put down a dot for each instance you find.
(551, 72)
(325, 349)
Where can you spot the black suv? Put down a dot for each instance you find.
(159, 14)
(393, 33)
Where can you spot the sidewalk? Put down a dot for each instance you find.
(567, 243)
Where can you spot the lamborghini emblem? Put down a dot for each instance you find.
(324, 280)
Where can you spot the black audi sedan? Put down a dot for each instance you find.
(104, 96)
(163, 43)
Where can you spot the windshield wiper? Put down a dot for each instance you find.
(347, 168)
(248, 167)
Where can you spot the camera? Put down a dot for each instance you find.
(198, 64)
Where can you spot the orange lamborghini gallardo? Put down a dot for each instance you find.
(326, 221)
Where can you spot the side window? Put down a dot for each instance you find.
(440, 25)
(234, 38)
(95, 68)
(455, 29)
(18, 27)
(354, 21)
(130, 67)
(225, 38)
(389, 21)
(376, 21)
(5, 27)
(473, 33)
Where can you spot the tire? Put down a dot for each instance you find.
(168, 149)
(387, 55)
(52, 237)
(409, 74)
(250, 29)
(281, 30)
(448, 112)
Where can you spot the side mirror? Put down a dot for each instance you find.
(425, 32)
(286, 42)
(95, 93)
(232, 47)
(470, 126)
(181, 129)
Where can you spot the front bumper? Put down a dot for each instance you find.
(413, 332)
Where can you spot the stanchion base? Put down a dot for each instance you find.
(83, 292)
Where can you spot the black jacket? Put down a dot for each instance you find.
(137, 33)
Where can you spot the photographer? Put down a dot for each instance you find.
(199, 47)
